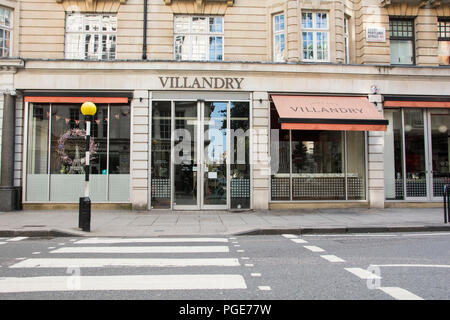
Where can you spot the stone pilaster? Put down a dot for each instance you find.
(139, 150)
(260, 152)
(376, 161)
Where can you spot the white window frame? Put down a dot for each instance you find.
(83, 32)
(276, 33)
(346, 40)
(10, 30)
(314, 31)
(189, 34)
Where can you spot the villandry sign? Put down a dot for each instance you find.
(201, 83)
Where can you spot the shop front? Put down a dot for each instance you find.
(319, 148)
(416, 148)
(55, 149)
(200, 151)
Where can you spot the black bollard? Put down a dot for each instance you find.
(84, 217)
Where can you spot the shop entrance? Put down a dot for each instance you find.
(200, 156)
(416, 153)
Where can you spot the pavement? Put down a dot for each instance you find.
(153, 223)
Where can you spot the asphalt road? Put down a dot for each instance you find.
(348, 267)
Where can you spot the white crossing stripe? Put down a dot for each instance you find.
(127, 282)
(332, 258)
(155, 249)
(146, 240)
(314, 248)
(299, 241)
(289, 236)
(17, 239)
(362, 273)
(264, 288)
(400, 294)
(100, 263)
(2, 242)
(414, 265)
(255, 274)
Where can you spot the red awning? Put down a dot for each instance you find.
(76, 99)
(328, 113)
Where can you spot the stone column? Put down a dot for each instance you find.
(9, 195)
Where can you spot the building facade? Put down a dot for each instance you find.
(228, 105)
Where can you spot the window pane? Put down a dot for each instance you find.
(182, 24)
(307, 20)
(68, 154)
(321, 21)
(318, 165)
(393, 159)
(322, 45)
(119, 153)
(308, 46)
(215, 48)
(199, 47)
(440, 122)
(74, 23)
(356, 165)
(401, 52)
(279, 48)
(216, 24)
(74, 46)
(199, 25)
(37, 153)
(182, 46)
(279, 159)
(240, 155)
(444, 52)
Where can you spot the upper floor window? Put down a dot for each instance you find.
(198, 38)
(91, 36)
(278, 38)
(346, 41)
(315, 36)
(401, 36)
(5, 32)
(444, 41)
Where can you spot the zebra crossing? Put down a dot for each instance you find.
(223, 272)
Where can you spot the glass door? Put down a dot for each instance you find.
(214, 157)
(416, 170)
(185, 155)
(199, 155)
(439, 151)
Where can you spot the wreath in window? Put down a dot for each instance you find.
(74, 133)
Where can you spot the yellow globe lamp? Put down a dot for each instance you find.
(88, 108)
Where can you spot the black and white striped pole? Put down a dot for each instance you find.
(88, 109)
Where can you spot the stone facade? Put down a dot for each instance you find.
(38, 47)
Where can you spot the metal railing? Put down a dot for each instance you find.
(446, 202)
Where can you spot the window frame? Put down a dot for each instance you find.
(412, 38)
(346, 39)
(314, 29)
(83, 32)
(208, 35)
(10, 30)
(275, 33)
